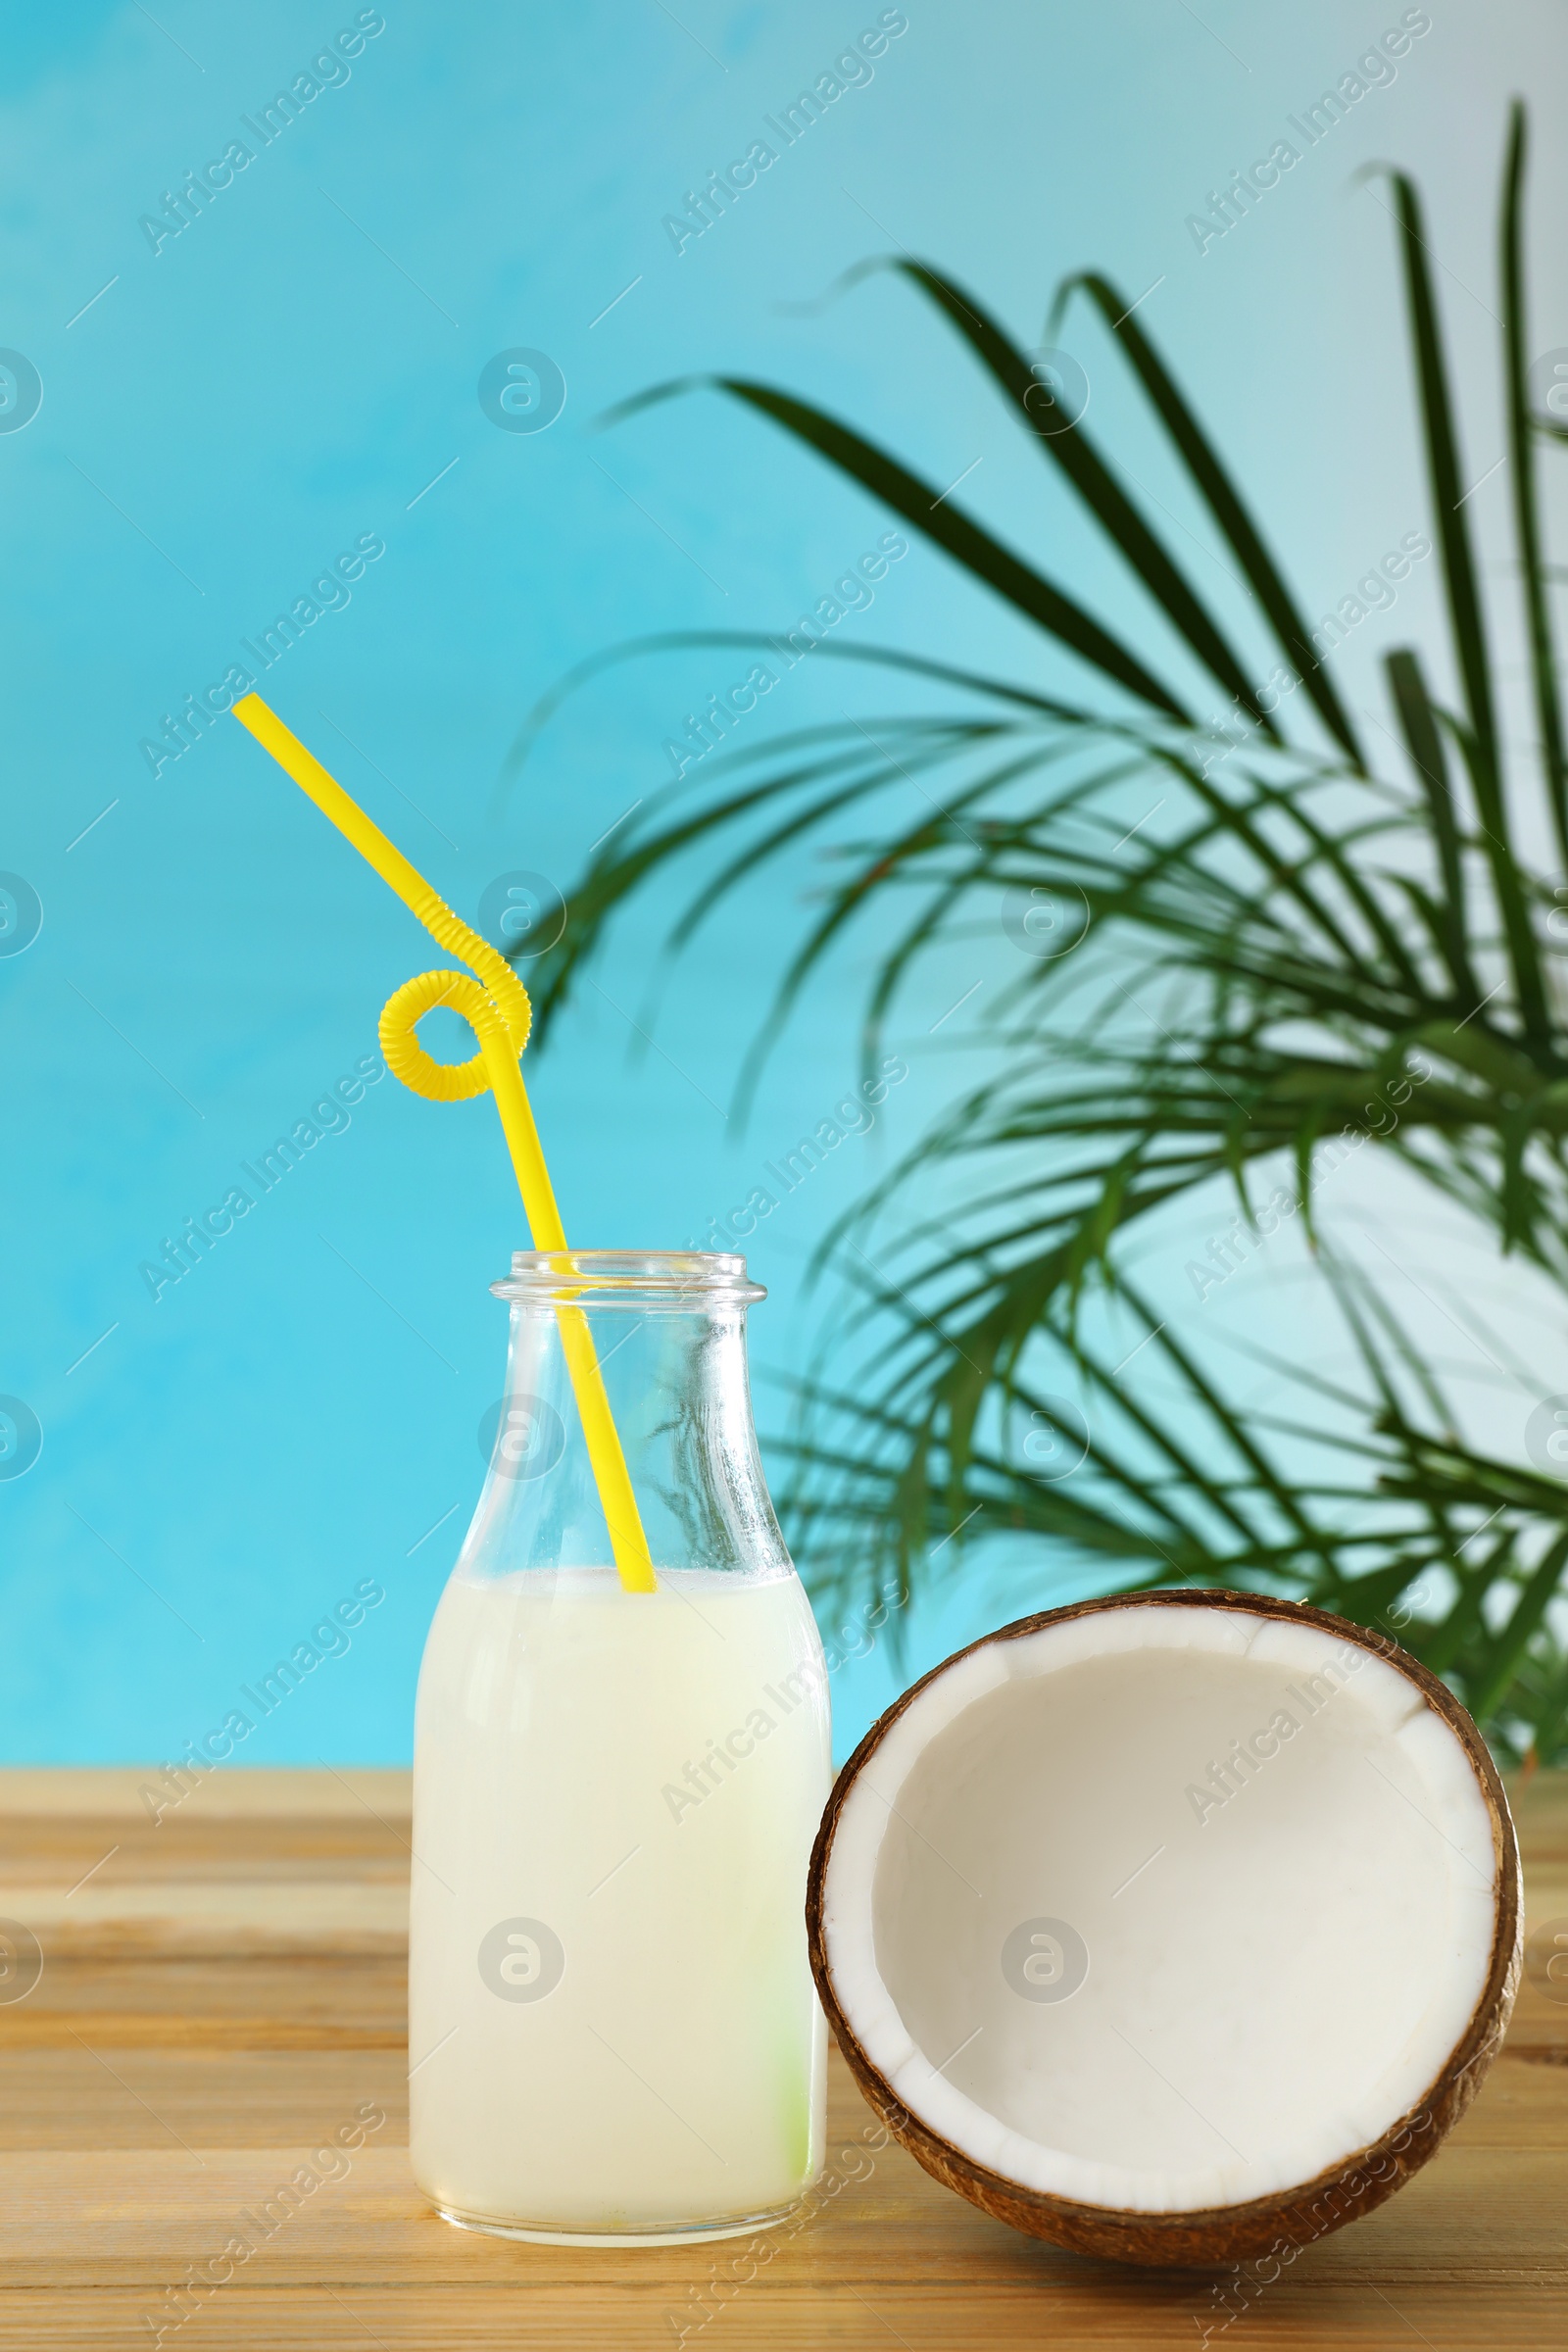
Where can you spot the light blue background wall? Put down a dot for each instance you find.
(289, 374)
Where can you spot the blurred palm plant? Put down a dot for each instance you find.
(1283, 940)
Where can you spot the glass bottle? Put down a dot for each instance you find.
(613, 2032)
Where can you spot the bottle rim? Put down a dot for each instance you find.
(696, 1280)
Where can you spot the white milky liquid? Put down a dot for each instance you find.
(640, 1777)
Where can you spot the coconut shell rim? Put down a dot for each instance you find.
(1203, 2235)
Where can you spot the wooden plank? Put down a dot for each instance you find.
(234, 1989)
(282, 1792)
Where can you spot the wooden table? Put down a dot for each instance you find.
(222, 1990)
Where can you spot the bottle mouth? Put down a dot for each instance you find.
(693, 1281)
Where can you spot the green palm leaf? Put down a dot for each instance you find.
(1286, 957)
(1018, 583)
(1522, 476)
(1213, 485)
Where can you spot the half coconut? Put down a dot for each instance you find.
(1175, 1928)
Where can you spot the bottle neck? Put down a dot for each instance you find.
(672, 1356)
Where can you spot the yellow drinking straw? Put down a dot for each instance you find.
(496, 1007)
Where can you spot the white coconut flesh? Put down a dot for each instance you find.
(1274, 1866)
